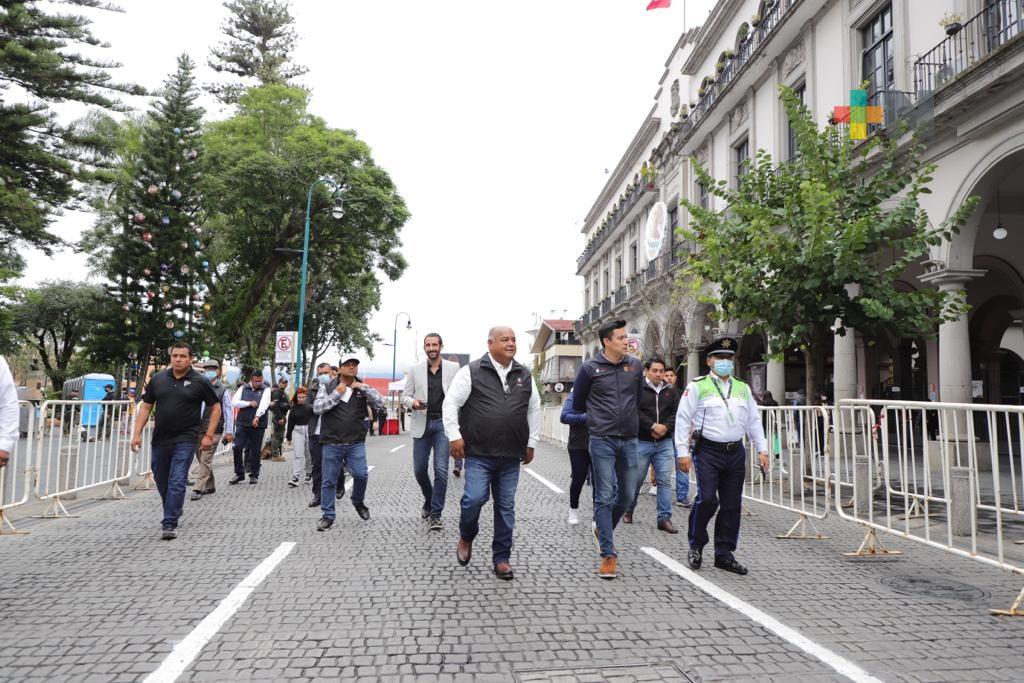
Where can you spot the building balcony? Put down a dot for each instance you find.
(625, 211)
(645, 283)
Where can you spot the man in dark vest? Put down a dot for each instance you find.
(252, 400)
(341, 405)
(492, 417)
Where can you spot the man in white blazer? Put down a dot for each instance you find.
(424, 392)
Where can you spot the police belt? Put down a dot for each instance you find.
(723, 446)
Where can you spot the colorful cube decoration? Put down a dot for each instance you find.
(858, 114)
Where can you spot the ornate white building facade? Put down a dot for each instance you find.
(719, 103)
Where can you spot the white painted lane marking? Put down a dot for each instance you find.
(543, 480)
(187, 650)
(350, 482)
(397, 448)
(841, 665)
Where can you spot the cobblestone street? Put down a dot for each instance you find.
(100, 597)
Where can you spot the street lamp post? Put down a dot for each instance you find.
(394, 341)
(337, 211)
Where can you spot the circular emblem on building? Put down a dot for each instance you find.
(559, 387)
(654, 230)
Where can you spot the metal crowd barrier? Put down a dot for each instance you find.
(552, 430)
(799, 477)
(945, 475)
(16, 477)
(81, 445)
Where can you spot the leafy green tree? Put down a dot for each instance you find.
(41, 160)
(816, 245)
(258, 50)
(55, 319)
(259, 166)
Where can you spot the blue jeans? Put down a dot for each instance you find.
(616, 470)
(433, 439)
(170, 463)
(662, 456)
(354, 456)
(484, 477)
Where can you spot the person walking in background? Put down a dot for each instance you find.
(657, 408)
(252, 400)
(607, 390)
(105, 427)
(224, 430)
(297, 433)
(279, 405)
(492, 419)
(682, 478)
(325, 374)
(579, 456)
(424, 393)
(8, 413)
(715, 413)
(177, 394)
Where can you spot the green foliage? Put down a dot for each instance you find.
(821, 241)
(41, 160)
(258, 51)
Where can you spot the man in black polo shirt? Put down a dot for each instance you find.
(179, 391)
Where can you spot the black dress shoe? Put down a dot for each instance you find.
(237, 479)
(169, 533)
(693, 558)
(731, 566)
(254, 480)
(323, 524)
(196, 495)
(315, 503)
(425, 512)
(339, 493)
(363, 512)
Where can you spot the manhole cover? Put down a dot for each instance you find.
(933, 587)
(663, 671)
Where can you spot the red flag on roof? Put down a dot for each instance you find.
(659, 4)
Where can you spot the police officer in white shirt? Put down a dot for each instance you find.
(715, 412)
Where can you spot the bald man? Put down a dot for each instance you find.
(491, 416)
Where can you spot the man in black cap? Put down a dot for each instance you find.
(341, 405)
(715, 412)
(253, 400)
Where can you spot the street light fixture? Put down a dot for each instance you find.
(394, 340)
(337, 212)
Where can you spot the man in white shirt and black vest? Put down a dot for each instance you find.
(252, 400)
(341, 405)
(715, 412)
(492, 416)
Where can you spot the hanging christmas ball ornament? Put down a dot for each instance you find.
(139, 218)
(151, 294)
(177, 131)
(165, 289)
(207, 307)
(165, 220)
(168, 306)
(193, 225)
(147, 272)
(152, 189)
(176, 195)
(192, 154)
(128, 322)
(147, 236)
(127, 307)
(181, 142)
(199, 245)
(169, 324)
(178, 334)
(184, 270)
(206, 264)
(184, 246)
(177, 168)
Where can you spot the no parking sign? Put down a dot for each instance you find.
(284, 347)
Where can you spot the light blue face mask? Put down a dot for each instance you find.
(210, 374)
(324, 379)
(723, 367)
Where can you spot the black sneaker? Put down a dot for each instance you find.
(693, 558)
(363, 512)
(293, 482)
(169, 533)
(339, 493)
(253, 481)
(315, 503)
(196, 495)
(323, 524)
(457, 471)
(435, 522)
(425, 512)
(237, 479)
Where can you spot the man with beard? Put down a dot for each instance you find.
(424, 394)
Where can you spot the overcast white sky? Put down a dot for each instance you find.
(495, 118)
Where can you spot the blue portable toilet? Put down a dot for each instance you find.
(92, 390)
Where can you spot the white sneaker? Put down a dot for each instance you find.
(574, 518)
(653, 491)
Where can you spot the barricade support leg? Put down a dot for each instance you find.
(799, 530)
(1016, 610)
(872, 546)
(146, 484)
(115, 492)
(7, 527)
(55, 510)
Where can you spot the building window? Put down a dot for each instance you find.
(607, 282)
(794, 148)
(634, 256)
(877, 46)
(675, 97)
(702, 195)
(741, 157)
(586, 298)
(596, 291)
(673, 218)
(618, 271)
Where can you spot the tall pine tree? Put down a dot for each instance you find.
(155, 260)
(258, 51)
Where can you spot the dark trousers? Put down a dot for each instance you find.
(579, 462)
(248, 441)
(170, 472)
(486, 477)
(720, 477)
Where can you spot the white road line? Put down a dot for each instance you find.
(187, 650)
(397, 448)
(350, 482)
(842, 665)
(543, 480)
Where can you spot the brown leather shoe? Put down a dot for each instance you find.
(667, 527)
(464, 552)
(503, 570)
(627, 517)
(607, 570)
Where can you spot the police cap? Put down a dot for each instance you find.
(722, 346)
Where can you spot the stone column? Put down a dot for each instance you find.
(693, 367)
(775, 377)
(954, 339)
(844, 365)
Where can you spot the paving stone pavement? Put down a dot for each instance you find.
(99, 597)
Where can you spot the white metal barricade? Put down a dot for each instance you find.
(942, 474)
(552, 430)
(798, 478)
(81, 445)
(16, 477)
